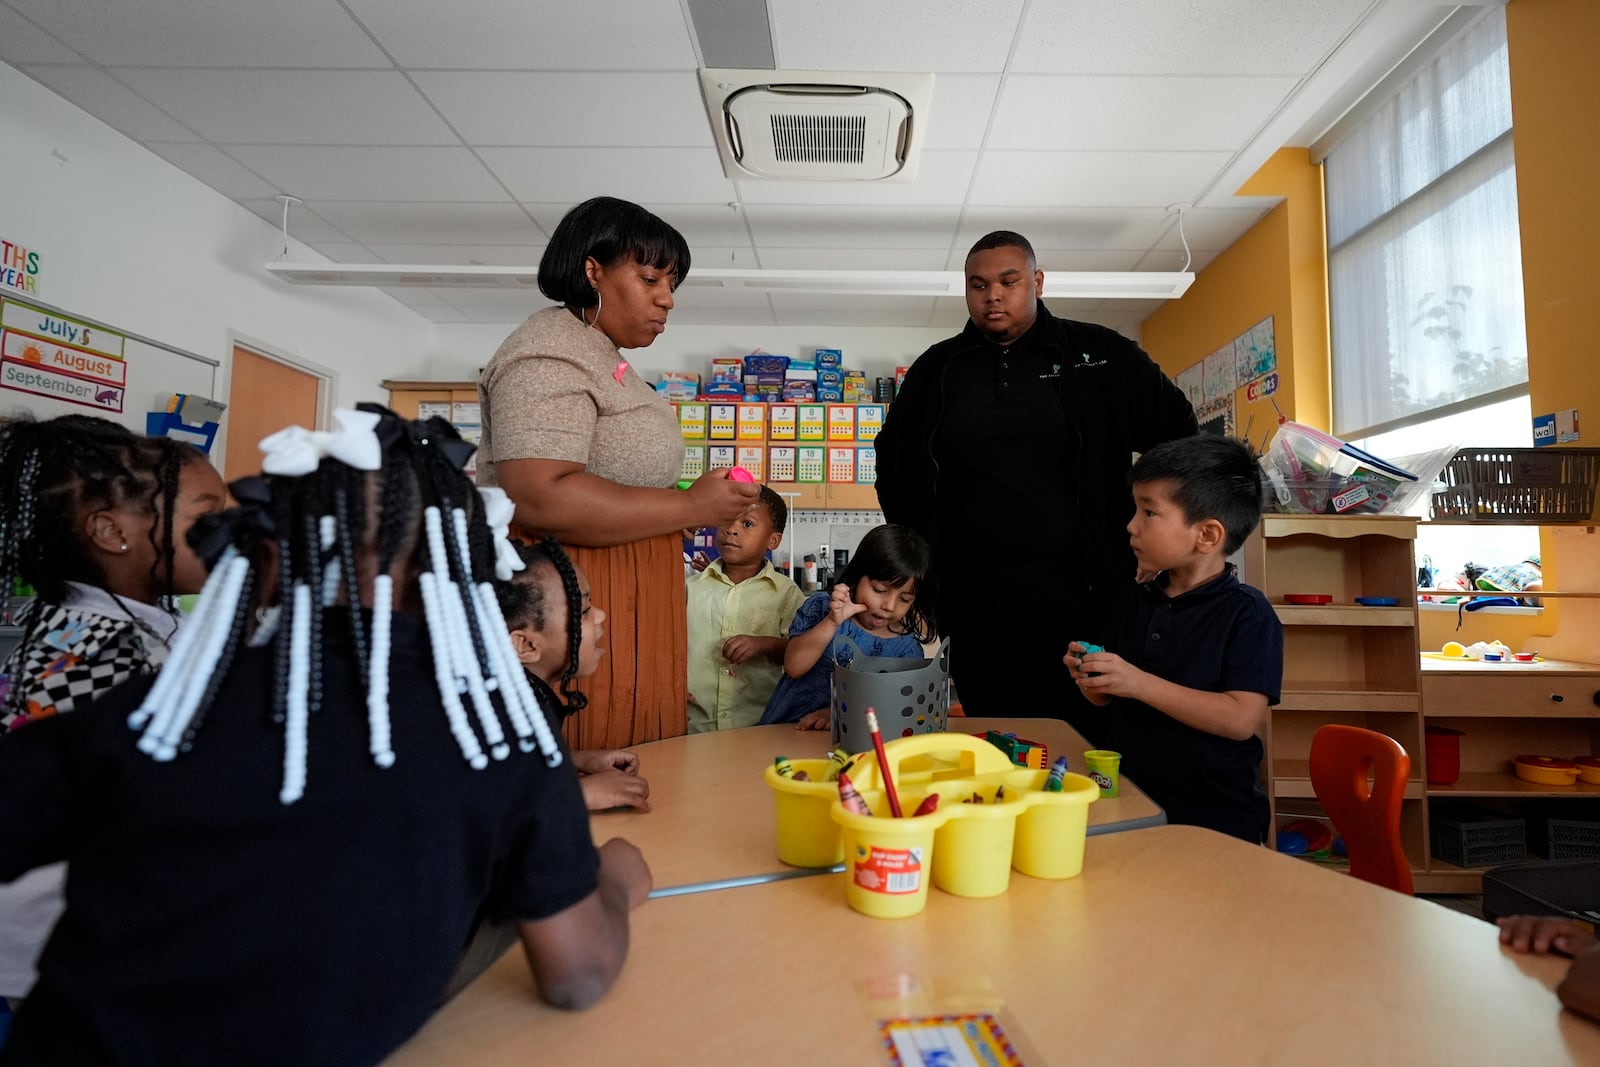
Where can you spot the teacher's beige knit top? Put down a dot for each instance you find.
(554, 391)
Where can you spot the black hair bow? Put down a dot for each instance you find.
(243, 526)
(434, 432)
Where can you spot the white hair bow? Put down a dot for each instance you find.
(295, 451)
(498, 511)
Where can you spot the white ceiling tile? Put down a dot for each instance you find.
(721, 257)
(898, 35)
(1126, 114)
(643, 175)
(111, 102)
(221, 172)
(205, 33)
(811, 309)
(345, 252)
(701, 224)
(942, 178)
(1058, 259)
(304, 225)
(853, 258)
(517, 35)
(23, 44)
(1071, 308)
(461, 255)
(327, 172)
(375, 223)
(1182, 36)
(571, 109)
(1097, 179)
(958, 114)
(1067, 228)
(375, 107)
(783, 226)
(1212, 227)
(1166, 259)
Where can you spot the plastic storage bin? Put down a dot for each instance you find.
(1478, 839)
(1566, 839)
(1513, 485)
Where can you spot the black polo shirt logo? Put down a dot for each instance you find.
(1086, 360)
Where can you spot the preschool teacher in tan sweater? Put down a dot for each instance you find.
(590, 454)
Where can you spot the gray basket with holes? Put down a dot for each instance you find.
(911, 696)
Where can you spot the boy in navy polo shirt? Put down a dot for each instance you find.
(1195, 657)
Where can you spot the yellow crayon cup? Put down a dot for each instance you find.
(1053, 826)
(807, 836)
(972, 850)
(887, 861)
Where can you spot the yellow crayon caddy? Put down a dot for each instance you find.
(969, 849)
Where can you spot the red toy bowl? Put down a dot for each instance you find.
(1307, 598)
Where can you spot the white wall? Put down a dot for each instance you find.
(127, 238)
(459, 350)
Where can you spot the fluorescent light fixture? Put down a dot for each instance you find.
(1093, 285)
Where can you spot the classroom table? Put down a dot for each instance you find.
(1175, 945)
(712, 818)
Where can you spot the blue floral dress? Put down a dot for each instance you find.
(797, 697)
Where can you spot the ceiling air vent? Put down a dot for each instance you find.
(817, 126)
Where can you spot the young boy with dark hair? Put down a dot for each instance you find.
(740, 608)
(1194, 657)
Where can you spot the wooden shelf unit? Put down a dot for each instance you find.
(1342, 662)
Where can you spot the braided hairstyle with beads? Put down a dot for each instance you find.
(415, 516)
(522, 602)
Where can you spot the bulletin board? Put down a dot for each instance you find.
(56, 362)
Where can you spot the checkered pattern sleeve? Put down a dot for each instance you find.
(70, 658)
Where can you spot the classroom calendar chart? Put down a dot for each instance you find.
(54, 362)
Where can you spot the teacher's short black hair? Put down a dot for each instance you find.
(609, 230)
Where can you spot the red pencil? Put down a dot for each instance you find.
(883, 764)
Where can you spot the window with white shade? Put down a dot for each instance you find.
(1424, 254)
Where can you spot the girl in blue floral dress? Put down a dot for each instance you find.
(881, 606)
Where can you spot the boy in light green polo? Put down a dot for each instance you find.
(740, 608)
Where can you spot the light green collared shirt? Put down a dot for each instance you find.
(723, 695)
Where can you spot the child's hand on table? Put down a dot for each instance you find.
(615, 789)
(598, 760)
(1544, 934)
(821, 719)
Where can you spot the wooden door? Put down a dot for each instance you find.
(264, 396)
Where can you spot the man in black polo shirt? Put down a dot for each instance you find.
(1008, 448)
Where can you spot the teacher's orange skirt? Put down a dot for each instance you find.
(641, 691)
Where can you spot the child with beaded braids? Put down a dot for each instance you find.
(272, 861)
(94, 519)
(557, 648)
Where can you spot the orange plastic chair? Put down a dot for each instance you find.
(1366, 816)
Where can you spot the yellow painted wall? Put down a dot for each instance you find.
(1278, 268)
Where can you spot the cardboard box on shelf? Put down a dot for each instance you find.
(829, 357)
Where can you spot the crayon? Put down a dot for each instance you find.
(801, 776)
(785, 769)
(1058, 775)
(999, 793)
(929, 805)
(838, 760)
(850, 798)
